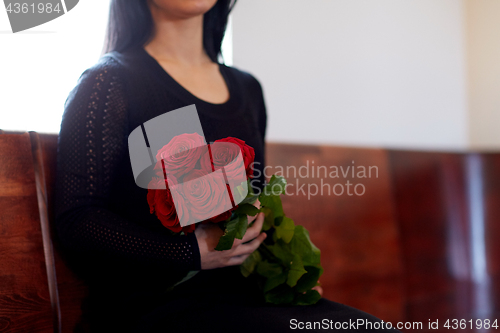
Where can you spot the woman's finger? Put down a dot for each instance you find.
(248, 248)
(318, 289)
(238, 260)
(254, 230)
(252, 218)
(257, 203)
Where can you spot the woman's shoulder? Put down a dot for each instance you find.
(249, 81)
(105, 67)
(103, 80)
(120, 65)
(104, 73)
(112, 71)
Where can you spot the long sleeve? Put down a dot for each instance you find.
(262, 117)
(257, 97)
(92, 142)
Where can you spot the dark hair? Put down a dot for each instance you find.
(131, 25)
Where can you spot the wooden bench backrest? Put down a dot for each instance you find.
(357, 235)
(25, 296)
(38, 292)
(71, 289)
(448, 213)
(407, 249)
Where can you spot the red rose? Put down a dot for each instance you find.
(197, 191)
(161, 203)
(221, 217)
(180, 155)
(224, 155)
(206, 194)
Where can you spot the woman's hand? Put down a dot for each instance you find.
(318, 289)
(208, 236)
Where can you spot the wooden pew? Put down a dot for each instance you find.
(71, 290)
(33, 298)
(357, 235)
(448, 213)
(26, 296)
(420, 243)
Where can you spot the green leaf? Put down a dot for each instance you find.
(309, 279)
(235, 228)
(275, 281)
(249, 199)
(241, 226)
(275, 187)
(288, 264)
(241, 192)
(226, 240)
(249, 264)
(272, 202)
(268, 218)
(188, 276)
(251, 196)
(285, 229)
(296, 271)
(268, 269)
(301, 245)
(277, 221)
(282, 294)
(281, 251)
(247, 209)
(309, 298)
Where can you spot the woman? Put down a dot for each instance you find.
(161, 55)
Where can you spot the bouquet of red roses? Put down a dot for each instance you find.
(203, 183)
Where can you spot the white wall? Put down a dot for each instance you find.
(40, 66)
(412, 73)
(483, 32)
(358, 72)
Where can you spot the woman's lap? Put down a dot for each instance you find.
(236, 314)
(224, 301)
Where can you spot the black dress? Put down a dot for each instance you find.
(103, 219)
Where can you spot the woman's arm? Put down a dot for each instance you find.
(92, 140)
(262, 115)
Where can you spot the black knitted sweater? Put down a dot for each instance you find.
(102, 217)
